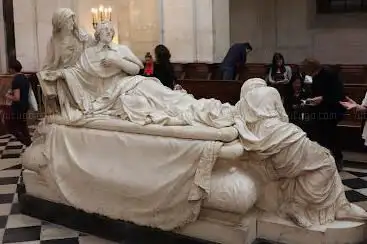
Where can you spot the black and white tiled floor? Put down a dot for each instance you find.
(16, 228)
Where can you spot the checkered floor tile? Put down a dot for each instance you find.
(18, 228)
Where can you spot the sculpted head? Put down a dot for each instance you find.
(63, 20)
(104, 32)
(252, 84)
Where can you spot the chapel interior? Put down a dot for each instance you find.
(198, 34)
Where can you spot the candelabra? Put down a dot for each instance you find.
(101, 14)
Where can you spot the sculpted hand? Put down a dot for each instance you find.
(106, 62)
(53, 75)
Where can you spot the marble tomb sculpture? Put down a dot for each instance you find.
(161, 158)
(64, 48)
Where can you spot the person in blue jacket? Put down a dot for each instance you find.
(236, 55)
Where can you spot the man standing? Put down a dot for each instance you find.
(326, 110)
(19, 97)
(236, 55)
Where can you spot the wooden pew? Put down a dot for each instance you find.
(197, 71)
(252, 71)
(353, 74)
(225, 91)
(179, 71)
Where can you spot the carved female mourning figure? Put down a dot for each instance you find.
(64, 49)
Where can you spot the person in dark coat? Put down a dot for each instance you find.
(296, 94)
(19, 98)
(327, 92)
(236, 55)
(163, 69)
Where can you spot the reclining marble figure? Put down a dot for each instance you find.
(115, 135)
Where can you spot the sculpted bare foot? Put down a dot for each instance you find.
(299, 220)
(295, 214)
(351, 212)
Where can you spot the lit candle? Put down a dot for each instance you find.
(110, 13)
(105, 17)
(101, 12)
(94, 14)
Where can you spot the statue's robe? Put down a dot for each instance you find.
(117, 91)
(308, 187)
(62, 52)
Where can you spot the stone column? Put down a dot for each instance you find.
(144, 26)
(26, 34)
(178, 29)
(221, 27)
(196, 30)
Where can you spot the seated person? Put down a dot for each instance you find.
(148, 65)
(279, 72)
(294, 101)
(236, 56)
(163, 69)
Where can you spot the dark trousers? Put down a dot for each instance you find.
(228, 73)
(326, 133)
(18, 127)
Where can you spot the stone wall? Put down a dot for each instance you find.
(294, 29)
(194, 30)
(33, 27)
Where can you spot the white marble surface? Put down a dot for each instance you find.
(273, 228)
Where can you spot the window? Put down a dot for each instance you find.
(341, 6)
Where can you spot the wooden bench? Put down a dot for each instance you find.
(352, 74)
